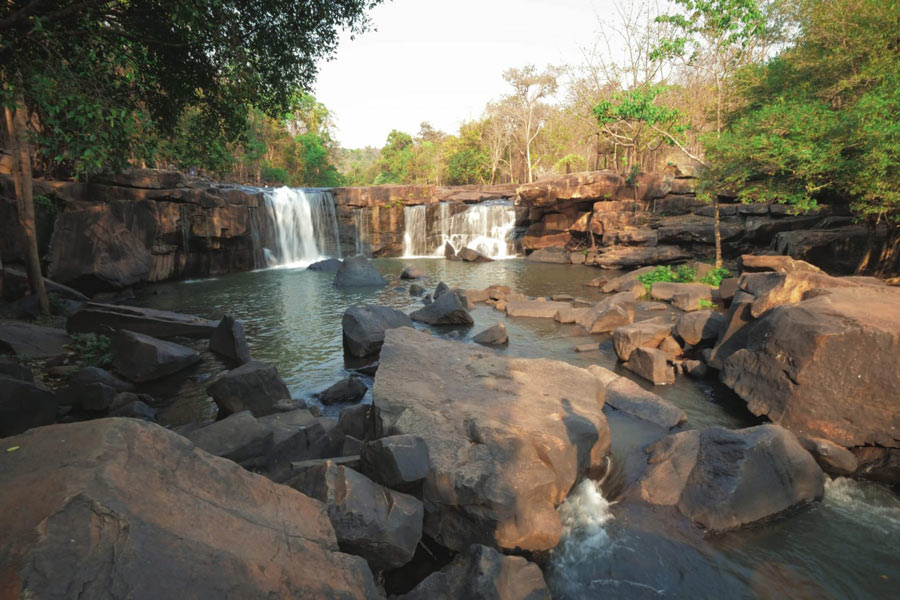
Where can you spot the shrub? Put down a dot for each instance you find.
(704, 303)
(93, 349)
(661, 273)
(715, 276)
(682, 274)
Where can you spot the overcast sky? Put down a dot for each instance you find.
(442, 60)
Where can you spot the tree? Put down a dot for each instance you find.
(396, 158)
(530, 89)
(87, 79)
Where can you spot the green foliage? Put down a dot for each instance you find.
(715, 276)
(639, 104)
(44, 204)
(704, 303)
(683, 273)
(570, 163)
(93, 350)
(57, 304)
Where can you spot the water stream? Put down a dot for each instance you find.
(486, 227)
(305, 226)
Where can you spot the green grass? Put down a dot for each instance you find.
(682, 274)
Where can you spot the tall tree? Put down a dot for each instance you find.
(85, 79)
(530, 90)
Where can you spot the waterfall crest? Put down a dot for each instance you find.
(486, 227)
(305, 227)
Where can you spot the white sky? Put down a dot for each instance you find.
(442, 60)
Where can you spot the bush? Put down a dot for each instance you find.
(93, 349)
(704, 303)
(682, 274)
(660, 273)
(715, 277)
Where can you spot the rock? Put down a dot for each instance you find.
(32, 341)
(571, 314)
(416, 290)
(101, 500)
(878, 464)
(351, 447)
(474, 296)
(626, 396)
(695, 368)
(237, 437)
(550, 255)
(535, 309)
(362, 421)
(396, 461)
(652, 365)
(297, 435)
(608, 314)
(92, 397)
(625, 257)
(624, 282)
(88, 375)
(413, 272)
(828, 366)
(700, 326)
(507, 437)
(593, 185)
(23, 405)
(834, 459)
(357, 271)
(666, 290)
(254, 386)
(440, 290)
(722, 479)
(139, 357)
(329, 265)
(228, 340)
(587, 348)
(482, 572)
(107, 318)
(671, 348)
(577, 258)
(450, 252)
(364, 327)
(470, 255)
(727, 289)
(381, 525)
(346, 391)
(448, 309)
(130, 405)
(495, 335)
(15, 282)
(750, 263)
(14, 370)
(648, 334)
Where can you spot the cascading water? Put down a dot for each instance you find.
(485, 227)
(304, 224)
(415, 239)
(361, 222)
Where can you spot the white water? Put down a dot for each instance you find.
(584, 515)
(485, 227)
(305, 225)
(361, 222)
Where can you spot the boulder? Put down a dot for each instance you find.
(346, 391)
(91, 397)
(15, 284)
(237, 437)
(475, 296)
(139, 357)
(450, 252)
(89, 375)
(93, 317)
(396, 461)
(624, 282)
(440, 290)
(228, 340)
(608, 314)
(571, 314)
(536, 309)
(722, 479)
(86, 507)
(364, 327)
(33, 341)
(651, 364)
(448, 309)
(23, 405)
(496, 335)
(507, 437)
(362, 421)
(666, 290)
(254, 386)
(358, 271)
(626, 396)
(695, 368)
(834, 459)
(471, 255)
(646, 334)
(700, 326)
(591, 185)
(329, 265)
(14, 370)
(482, 572)
(671, 348)
(132, 406)
(727, 289)
(750, 263)
(627, 257)
(413, 272)
(550, 255)
(416, 290)
(381, 525)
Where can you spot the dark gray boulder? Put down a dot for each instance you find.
(237, 437)
(471, 255)
(14, 370)
(651, 364)
(94, 317)
(381, 525)
(92, 397)
(448, 309)
(132, 406)
(364, 327)
(346, 391)
(362, 421)
(495, 335)
(255, 386)
(416, 290)
(722, 479)
(550, 255)
(413, 272)
(700, 326)
(139, 357)
(229, 341)
(97, 375)
(33, 341)
(440, 290)
(329, 265)
(396, 461)
(357, 271)
(23, 405)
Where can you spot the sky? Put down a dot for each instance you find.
(441, 61)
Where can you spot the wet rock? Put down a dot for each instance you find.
(474, 296)
(482, 572)
(111, 496)
(722, 479)
(396, 461)
(23, 405)
(346, 391)
(255, 386)
(471, 255)
(14, 370)
(416, 290)
(237, 437)
(535, 309)
(440, 290)
(695, 368)
(229, 341)
(364, 327)
(550, 255)
(362, 421)
(587, 348)
(700, 326)
(33, 341)
(834, 459)
(570, 314)
(132, 406)
(107, 318)
(507, 438)
(381, 525)
(358, 271)
(140, 358)
(413, 272)
(651, 364)
(329, 265)
(495, 335)
(448, 309)
(648, 334)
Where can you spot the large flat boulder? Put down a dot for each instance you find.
(139, 357)
(507, 438)
(649, 334)
(94, 317)
(364, 327)
(33, 341)
(536, 309)
(629, 257)
(254, 386)
(550, 255)
(358, 271)
(700, 326)
(119, 508)
(667, 290)
(722, 479)
(591, 185)
(626, 396)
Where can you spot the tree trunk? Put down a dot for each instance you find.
(718, 232)
(16, 127)
(869, 254)
(889, 260)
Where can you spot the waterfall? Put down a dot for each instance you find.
(486, 227)
(362, 218)
(305, 226)
(415, 242)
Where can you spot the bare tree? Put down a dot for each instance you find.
(531, 88)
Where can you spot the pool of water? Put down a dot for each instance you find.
(847, 546)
